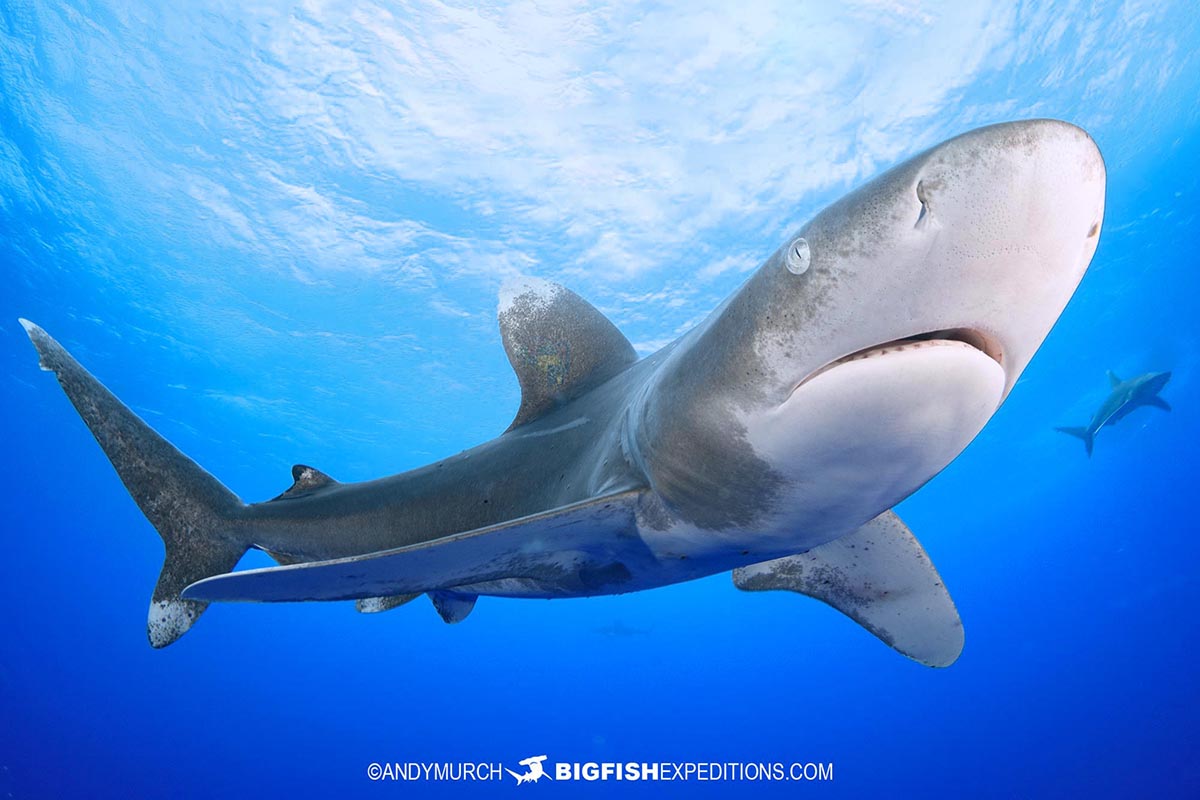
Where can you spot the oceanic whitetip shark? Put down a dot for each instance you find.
(1124, 397)
(771, 440)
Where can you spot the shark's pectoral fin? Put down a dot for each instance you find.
(376, 605)
(581, 547)
(453, 606)
(881, 577)
(1159, 403)
(558, 344)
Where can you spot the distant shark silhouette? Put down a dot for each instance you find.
(1124, 397)
(619, 629)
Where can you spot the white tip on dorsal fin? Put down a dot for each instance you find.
(306, 479)
(558, 344)
(879, 576)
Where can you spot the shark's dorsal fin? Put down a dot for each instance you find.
(1113, 380)
(558, 344)
(306, 479)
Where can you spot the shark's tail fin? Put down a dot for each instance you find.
(1080, 433)
(195, 515)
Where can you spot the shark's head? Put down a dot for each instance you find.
(980, 240)
(870, 349)
(1154, 382)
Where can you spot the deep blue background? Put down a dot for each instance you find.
(1075, 578)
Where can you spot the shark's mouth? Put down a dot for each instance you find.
(952, 337)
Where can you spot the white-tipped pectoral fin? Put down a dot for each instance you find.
(881, 577)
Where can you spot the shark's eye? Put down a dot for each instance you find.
(798, 258)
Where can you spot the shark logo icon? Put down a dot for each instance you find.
(534, 770)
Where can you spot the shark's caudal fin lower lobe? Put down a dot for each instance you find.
(193, 512)
(1080, 433)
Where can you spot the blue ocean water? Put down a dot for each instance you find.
(277, 233)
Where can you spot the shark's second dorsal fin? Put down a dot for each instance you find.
(558, 344)
(1113, 380)
(306, 479)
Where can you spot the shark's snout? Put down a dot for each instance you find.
(1010, 217)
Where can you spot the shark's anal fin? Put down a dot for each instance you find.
(881, 577)
(376, 605)
(452, 607)
(558, 344)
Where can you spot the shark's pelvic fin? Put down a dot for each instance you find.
(194, 514)
(375, 605)
(453, 606)
(881, 577)
(594, 540)
(559, 345)
(1080, 433)
(1113, 380)
(306, 479)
